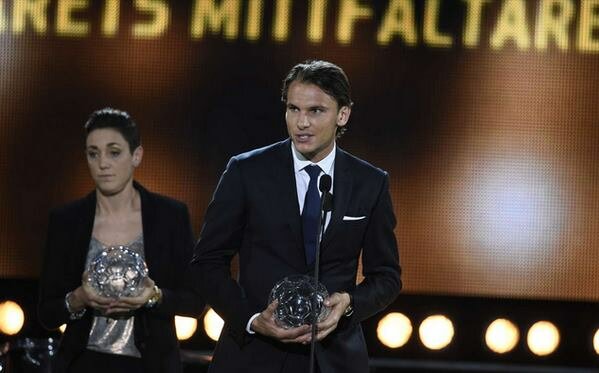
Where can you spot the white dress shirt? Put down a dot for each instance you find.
(302, 179)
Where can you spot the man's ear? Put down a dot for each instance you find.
(343, 116)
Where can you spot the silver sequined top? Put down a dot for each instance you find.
(113, 335)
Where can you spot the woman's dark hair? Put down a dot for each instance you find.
(115, 119)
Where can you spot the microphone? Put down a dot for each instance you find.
(327, 198)
(325, 183)
(326, 205)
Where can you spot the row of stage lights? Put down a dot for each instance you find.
(394, 330)
(502, 335)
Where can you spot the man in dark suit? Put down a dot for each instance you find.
(264, 209)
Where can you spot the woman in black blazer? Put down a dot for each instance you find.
(135, 334)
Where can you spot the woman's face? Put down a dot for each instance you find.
(110, 161)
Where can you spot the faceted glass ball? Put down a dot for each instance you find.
(117, 272)
(295, 295)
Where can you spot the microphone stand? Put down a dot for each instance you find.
(325, 207)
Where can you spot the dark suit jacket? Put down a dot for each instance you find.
(255, 212)
(168, 244)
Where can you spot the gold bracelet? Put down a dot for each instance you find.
(350, 309)
(155, 298)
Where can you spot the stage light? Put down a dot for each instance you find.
(394, 330)
(543, 338)
(502, 336)
(515, 202)
(185, 327)
(62, 328)
(213, 324)
(12, 317)
(436, 332)
(596, 341)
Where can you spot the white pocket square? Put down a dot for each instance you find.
(350, 218)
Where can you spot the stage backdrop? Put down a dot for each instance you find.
(485, 113)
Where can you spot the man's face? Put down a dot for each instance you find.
(312, 118)
(110, 161)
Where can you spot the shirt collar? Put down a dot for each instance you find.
(300, 162)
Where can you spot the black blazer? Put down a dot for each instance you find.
(255, 212)
(168, 243)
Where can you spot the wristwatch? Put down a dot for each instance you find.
(155, 298)
(350, 309)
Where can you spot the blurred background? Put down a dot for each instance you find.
(485, 113)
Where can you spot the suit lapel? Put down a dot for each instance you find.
(148, 225)
(342, 189)
(84, 230)
(284, 175)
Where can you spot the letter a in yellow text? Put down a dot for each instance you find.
(350, 11)
(216, 18)
(511, 25)
(33, 10)
(398, 21)
(552, 24)
(589, 26)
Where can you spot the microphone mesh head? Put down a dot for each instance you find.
(325, 183)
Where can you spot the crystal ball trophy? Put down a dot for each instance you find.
(295, 295)
(117, 272)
